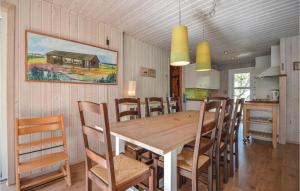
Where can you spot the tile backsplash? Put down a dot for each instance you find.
(197, 93)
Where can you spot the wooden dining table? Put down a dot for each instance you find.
(164, 135)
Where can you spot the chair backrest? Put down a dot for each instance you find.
(103, 135)
(224, 121)
(132, 112)
(205, 129)
(236, 117)
(39, 125)
(150, 108)
(177, 107)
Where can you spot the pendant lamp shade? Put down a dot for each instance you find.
(180, 46)
(203, 61)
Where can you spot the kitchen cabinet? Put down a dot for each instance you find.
(289, 90)
(205, 80)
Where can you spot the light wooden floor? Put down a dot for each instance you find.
(261, 168)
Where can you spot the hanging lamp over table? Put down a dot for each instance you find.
(203, 60)
(180, 55)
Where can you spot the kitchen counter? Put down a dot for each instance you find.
(262, 105)
(194, 99)
(266, 101)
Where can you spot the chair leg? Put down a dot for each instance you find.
(68, 178)
(236, 153)
(156, 171)
(218, 171)
(88, 183)
(225, 165)
(18, 186)
(210, 177)
(231, 165)
(152, 180)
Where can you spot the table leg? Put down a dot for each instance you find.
(170, 171)
(120, 146)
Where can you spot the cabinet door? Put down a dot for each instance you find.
(282, 55)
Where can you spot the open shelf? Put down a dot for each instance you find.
(260, 120)
(261, 135)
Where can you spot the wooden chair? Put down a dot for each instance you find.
(234, 132)
(109, 173)
(221, 147)
(131, 149)
(222, 139)
(171, 107)
(191, 164)
(151, 109)
(27, 127)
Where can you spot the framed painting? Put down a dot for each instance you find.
(54, 59)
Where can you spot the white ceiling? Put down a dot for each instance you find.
(241, 27)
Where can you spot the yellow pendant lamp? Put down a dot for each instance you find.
(203, 60)
(180, 44)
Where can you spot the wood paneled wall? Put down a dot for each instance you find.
(44, 99)
(138, 54)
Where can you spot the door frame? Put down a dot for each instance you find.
(180, 80)
(231, 72)
(12, 90)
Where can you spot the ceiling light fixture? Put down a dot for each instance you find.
(180, 44)
(203, 60)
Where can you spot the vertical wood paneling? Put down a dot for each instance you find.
(45, 99)
(138, 54)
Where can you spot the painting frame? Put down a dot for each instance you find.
(27, 31)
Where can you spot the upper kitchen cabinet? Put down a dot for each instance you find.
(205, 80)
(289, 53)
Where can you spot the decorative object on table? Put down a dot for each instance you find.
(148, 72)
(54, 59)
(132, 88)
(203, 60)
(180, 54)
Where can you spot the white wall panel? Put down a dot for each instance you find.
(138, 54)
(36, 99)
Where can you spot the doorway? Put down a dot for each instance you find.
(3, 98)
(175, 81)
(241, 83)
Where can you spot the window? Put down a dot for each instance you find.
(241, 86)
(241, 83)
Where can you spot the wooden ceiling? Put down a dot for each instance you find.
(243, 28)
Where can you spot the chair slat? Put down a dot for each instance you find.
(39, 129)
(96, 133)
(39, 121)
(40, 142)
(100, 160)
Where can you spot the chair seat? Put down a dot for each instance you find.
(185, 160)
(134, 147)
(126, 169)
(43, 161)
(204, 142)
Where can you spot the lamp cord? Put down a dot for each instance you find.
(179, 5)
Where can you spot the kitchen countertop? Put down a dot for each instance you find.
(194, 99)
(266, 101)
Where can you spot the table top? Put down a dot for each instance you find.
(161, 134)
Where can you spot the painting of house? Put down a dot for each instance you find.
(73, 58)
(53, 59)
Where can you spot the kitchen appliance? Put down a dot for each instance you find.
(275, 94)
(274, 70)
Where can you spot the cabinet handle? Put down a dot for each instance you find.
(282, 66)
